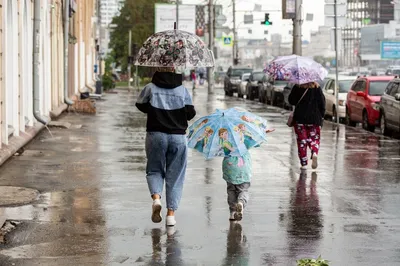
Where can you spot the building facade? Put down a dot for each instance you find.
(362, 13)
(16, 61)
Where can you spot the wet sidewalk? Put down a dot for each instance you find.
(94, 206)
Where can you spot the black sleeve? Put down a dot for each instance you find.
(190, 112)
(321, 102)
(143, 107)
(294, 95)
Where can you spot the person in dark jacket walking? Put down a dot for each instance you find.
(169, 107)
(309, 102)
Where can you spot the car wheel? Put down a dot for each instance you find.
(251, 95)
(383, 126)
(334, 114)
(365, 123)
(349, 122)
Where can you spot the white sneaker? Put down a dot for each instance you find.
(314, 161)
(303, 168)
(232, 216)
(156, 214)
(170, 221)
(239, 211)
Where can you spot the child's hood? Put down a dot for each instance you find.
(167, 80)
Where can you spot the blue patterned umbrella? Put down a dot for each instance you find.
(227, 133)
(296, 69)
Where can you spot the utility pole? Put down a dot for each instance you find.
(234, 46)
(177, 14)
(129, 60)
(336, 88)
(297, 28)
(210, 79)
(99, 41)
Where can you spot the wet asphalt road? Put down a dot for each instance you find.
(94, 207)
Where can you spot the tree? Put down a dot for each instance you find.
(135, 15)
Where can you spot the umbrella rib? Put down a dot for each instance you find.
(232, 126)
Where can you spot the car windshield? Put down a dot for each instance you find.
(377, 88)
(240, 72)
(258, 76)
(245, 76)
(344, 85)
(280, 83)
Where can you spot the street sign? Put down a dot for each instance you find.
(390, 50)
(330, 9)
(228, 41)
(220, 20)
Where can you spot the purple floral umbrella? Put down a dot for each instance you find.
(296, 69)
(174, 48)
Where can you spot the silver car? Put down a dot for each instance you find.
(390, 108)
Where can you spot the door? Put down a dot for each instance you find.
(329, 97)
(351, 98)
(392, 106)
(359, 103)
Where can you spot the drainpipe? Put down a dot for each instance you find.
(36, 69)
(66, 37)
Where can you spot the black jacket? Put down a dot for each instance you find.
(167, 103)
(311, 109)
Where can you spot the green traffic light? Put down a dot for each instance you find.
(267, 23)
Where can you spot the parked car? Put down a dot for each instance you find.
(390, 108)
(243, 84)
(255, 80)
(263, 88)
(232, 79)
(344, 85)
(276, 96)
(362, 104)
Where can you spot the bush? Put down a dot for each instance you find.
(108, 82)
(312, 262)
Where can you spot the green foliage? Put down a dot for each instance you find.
(107, 81)
(313, 262)
(135, 15)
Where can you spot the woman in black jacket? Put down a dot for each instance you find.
(309, 102)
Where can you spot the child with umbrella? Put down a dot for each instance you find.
(231, 137)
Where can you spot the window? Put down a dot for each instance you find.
(357, 86)
(250, 31)
(331, 85)
(344, 85)
(397, 32)
(376, 88)
(265, 32)
(394, 89)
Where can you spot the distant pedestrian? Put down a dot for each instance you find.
(309, 102)
(237, 172)
(193, 77)
(168, 106)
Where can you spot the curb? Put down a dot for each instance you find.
(16, 143)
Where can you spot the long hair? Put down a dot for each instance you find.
(310, 85)
(166, 69)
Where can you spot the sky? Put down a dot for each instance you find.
(273, 6)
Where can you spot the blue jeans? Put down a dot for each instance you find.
(166, 160)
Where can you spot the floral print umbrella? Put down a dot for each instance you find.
(296, 69)
(226, 133)
(174, 48)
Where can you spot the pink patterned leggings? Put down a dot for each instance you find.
(307, 136)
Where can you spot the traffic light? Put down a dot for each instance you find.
(266, 20)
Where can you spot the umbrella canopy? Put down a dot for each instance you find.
(227, 133)
(174, 48)
(296, 69)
